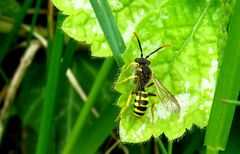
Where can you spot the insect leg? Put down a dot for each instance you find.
(129, 65)
(151, 94)
(150, 84)
(123, 111)
(152, 110)
(128, 78)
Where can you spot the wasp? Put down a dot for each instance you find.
(144, 78)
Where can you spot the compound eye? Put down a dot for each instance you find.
(137, 60)
(148, 62)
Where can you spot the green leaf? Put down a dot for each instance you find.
(82, 25)
(187, 68)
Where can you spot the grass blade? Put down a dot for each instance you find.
(233, 102)
(67, 57)
(227, 88)
(34, 19)
(51, 91)
(170, 147)
(104, 124)
(105, 69)
(161, 146)
(109, 28)
(18, 20)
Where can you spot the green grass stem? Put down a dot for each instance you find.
(115, 40)
(34, 19)
(17, 24)
(170, 147)
(51, 91)
(109, 28)
(161, 146)
(67, 57)
(228, 84)
(101, 78)
(93, 139)
(233, 102)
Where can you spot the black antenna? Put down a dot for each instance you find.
(156, 50)
(139, 44)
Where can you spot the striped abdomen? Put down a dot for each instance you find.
(141, 103)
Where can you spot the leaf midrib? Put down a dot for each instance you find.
(189, 38)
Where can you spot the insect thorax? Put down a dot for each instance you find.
(144, 74)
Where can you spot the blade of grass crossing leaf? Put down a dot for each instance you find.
(18, 20)
(104, 71)
(227, 88)
(109, 28)
(34, 19)
(51, 91)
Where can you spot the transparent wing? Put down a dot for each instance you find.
(165, 96)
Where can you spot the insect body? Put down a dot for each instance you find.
(144, 78)
(141, 102)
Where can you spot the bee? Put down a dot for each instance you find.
(144, 78)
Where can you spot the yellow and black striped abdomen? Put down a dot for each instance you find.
(141, 103)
